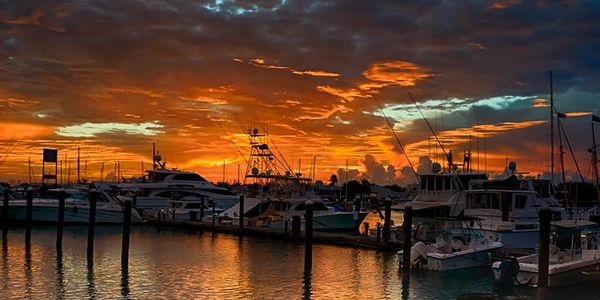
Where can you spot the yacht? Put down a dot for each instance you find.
(455, 248)
(109, 208)
(574, 258)
(160, 185)
(273, 213)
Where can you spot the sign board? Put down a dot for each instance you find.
(50, 155)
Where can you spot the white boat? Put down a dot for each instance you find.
(160, 185)
(574, 258)
(109, 209)
(508, 210)
(189, 208)
(273, 213)
(455, 248)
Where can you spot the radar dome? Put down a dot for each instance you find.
(512, 165)
(255, 131)
(436, 167)
(255, 171)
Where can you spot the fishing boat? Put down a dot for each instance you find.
(276, 213)
(109, 208)
(160, 185)
(574, 258)
(455, 248)
(187, 208)
(508, 209)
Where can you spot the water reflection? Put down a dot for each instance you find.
(125, 282)
(91, 286)
(60, 283)
(307, 291)
(28, 274)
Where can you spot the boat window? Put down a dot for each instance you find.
(430, 181)
(320, 206)
(495, 201)
(193, 205)
(300, 206)
(438, 183)
(188, 177)
(448, 183)
(520, 201)
(469, 203)
(279, 206)
(482, 201)
(423, 183)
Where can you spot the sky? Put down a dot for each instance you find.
(111, 77)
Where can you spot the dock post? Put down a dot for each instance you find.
(126, 233)
(60, 222)
(366, 226)
(406, 244)
(241, 215)
(28, 216)
(308, 235)
(356, 216)
(296, 225)
(544, 248)
(378, 232)
(286, 223)
(387, 220)
(91, 228)
(202, 210)
(5, 215)
(213, 219)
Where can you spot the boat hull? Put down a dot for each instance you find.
(517, 239)
(470, 260)
(74, 214)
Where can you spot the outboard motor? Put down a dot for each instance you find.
(509, 269)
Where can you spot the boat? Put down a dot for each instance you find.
(455, 248)
(109, 208)
(278, 213)
(190, 208)
(508, 209)
(574, 258)
(160, 185)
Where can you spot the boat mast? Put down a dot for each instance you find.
(551, 129)
(562, 163)
(78, 165)
(153, 156)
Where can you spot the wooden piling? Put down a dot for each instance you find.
(60, 222)
(241, 215)
(407, 231)
(28, 216)
(126, 233)
(366, 226)
(544, 247)
(308, 235)
(387, 220)
(5, 215)
(286, 223)
(91, 227)
(296, 226)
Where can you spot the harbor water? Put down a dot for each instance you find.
(170, 264)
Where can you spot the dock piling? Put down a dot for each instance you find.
(126, 233)
(286, 223)
(241, 215)
(28, 216)
(308, 235)
(544, 247)
(406, 244)
(387, 220)
(5, 215)
(60, 222)
(366, 226)
(378, 233)
(214, 218)
(356, 215)
(91, 227)
(296, 225)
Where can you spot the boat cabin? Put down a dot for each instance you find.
(504, 205)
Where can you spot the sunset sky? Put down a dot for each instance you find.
(113, 76)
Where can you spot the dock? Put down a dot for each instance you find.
(331, 238)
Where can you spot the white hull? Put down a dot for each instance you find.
(74, 214)
(459, 261)
(517, 239)
(568, 273)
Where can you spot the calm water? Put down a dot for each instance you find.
(175, 264)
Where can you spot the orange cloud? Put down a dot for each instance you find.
(15, 131)
(396, 72)
(578, 114)
(540, 102)
(259, 62)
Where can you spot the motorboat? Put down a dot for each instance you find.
(455, 248)
(109, 208)
(160, 185)
(508, 210)
(574, 258)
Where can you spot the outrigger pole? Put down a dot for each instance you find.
(397, 140)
